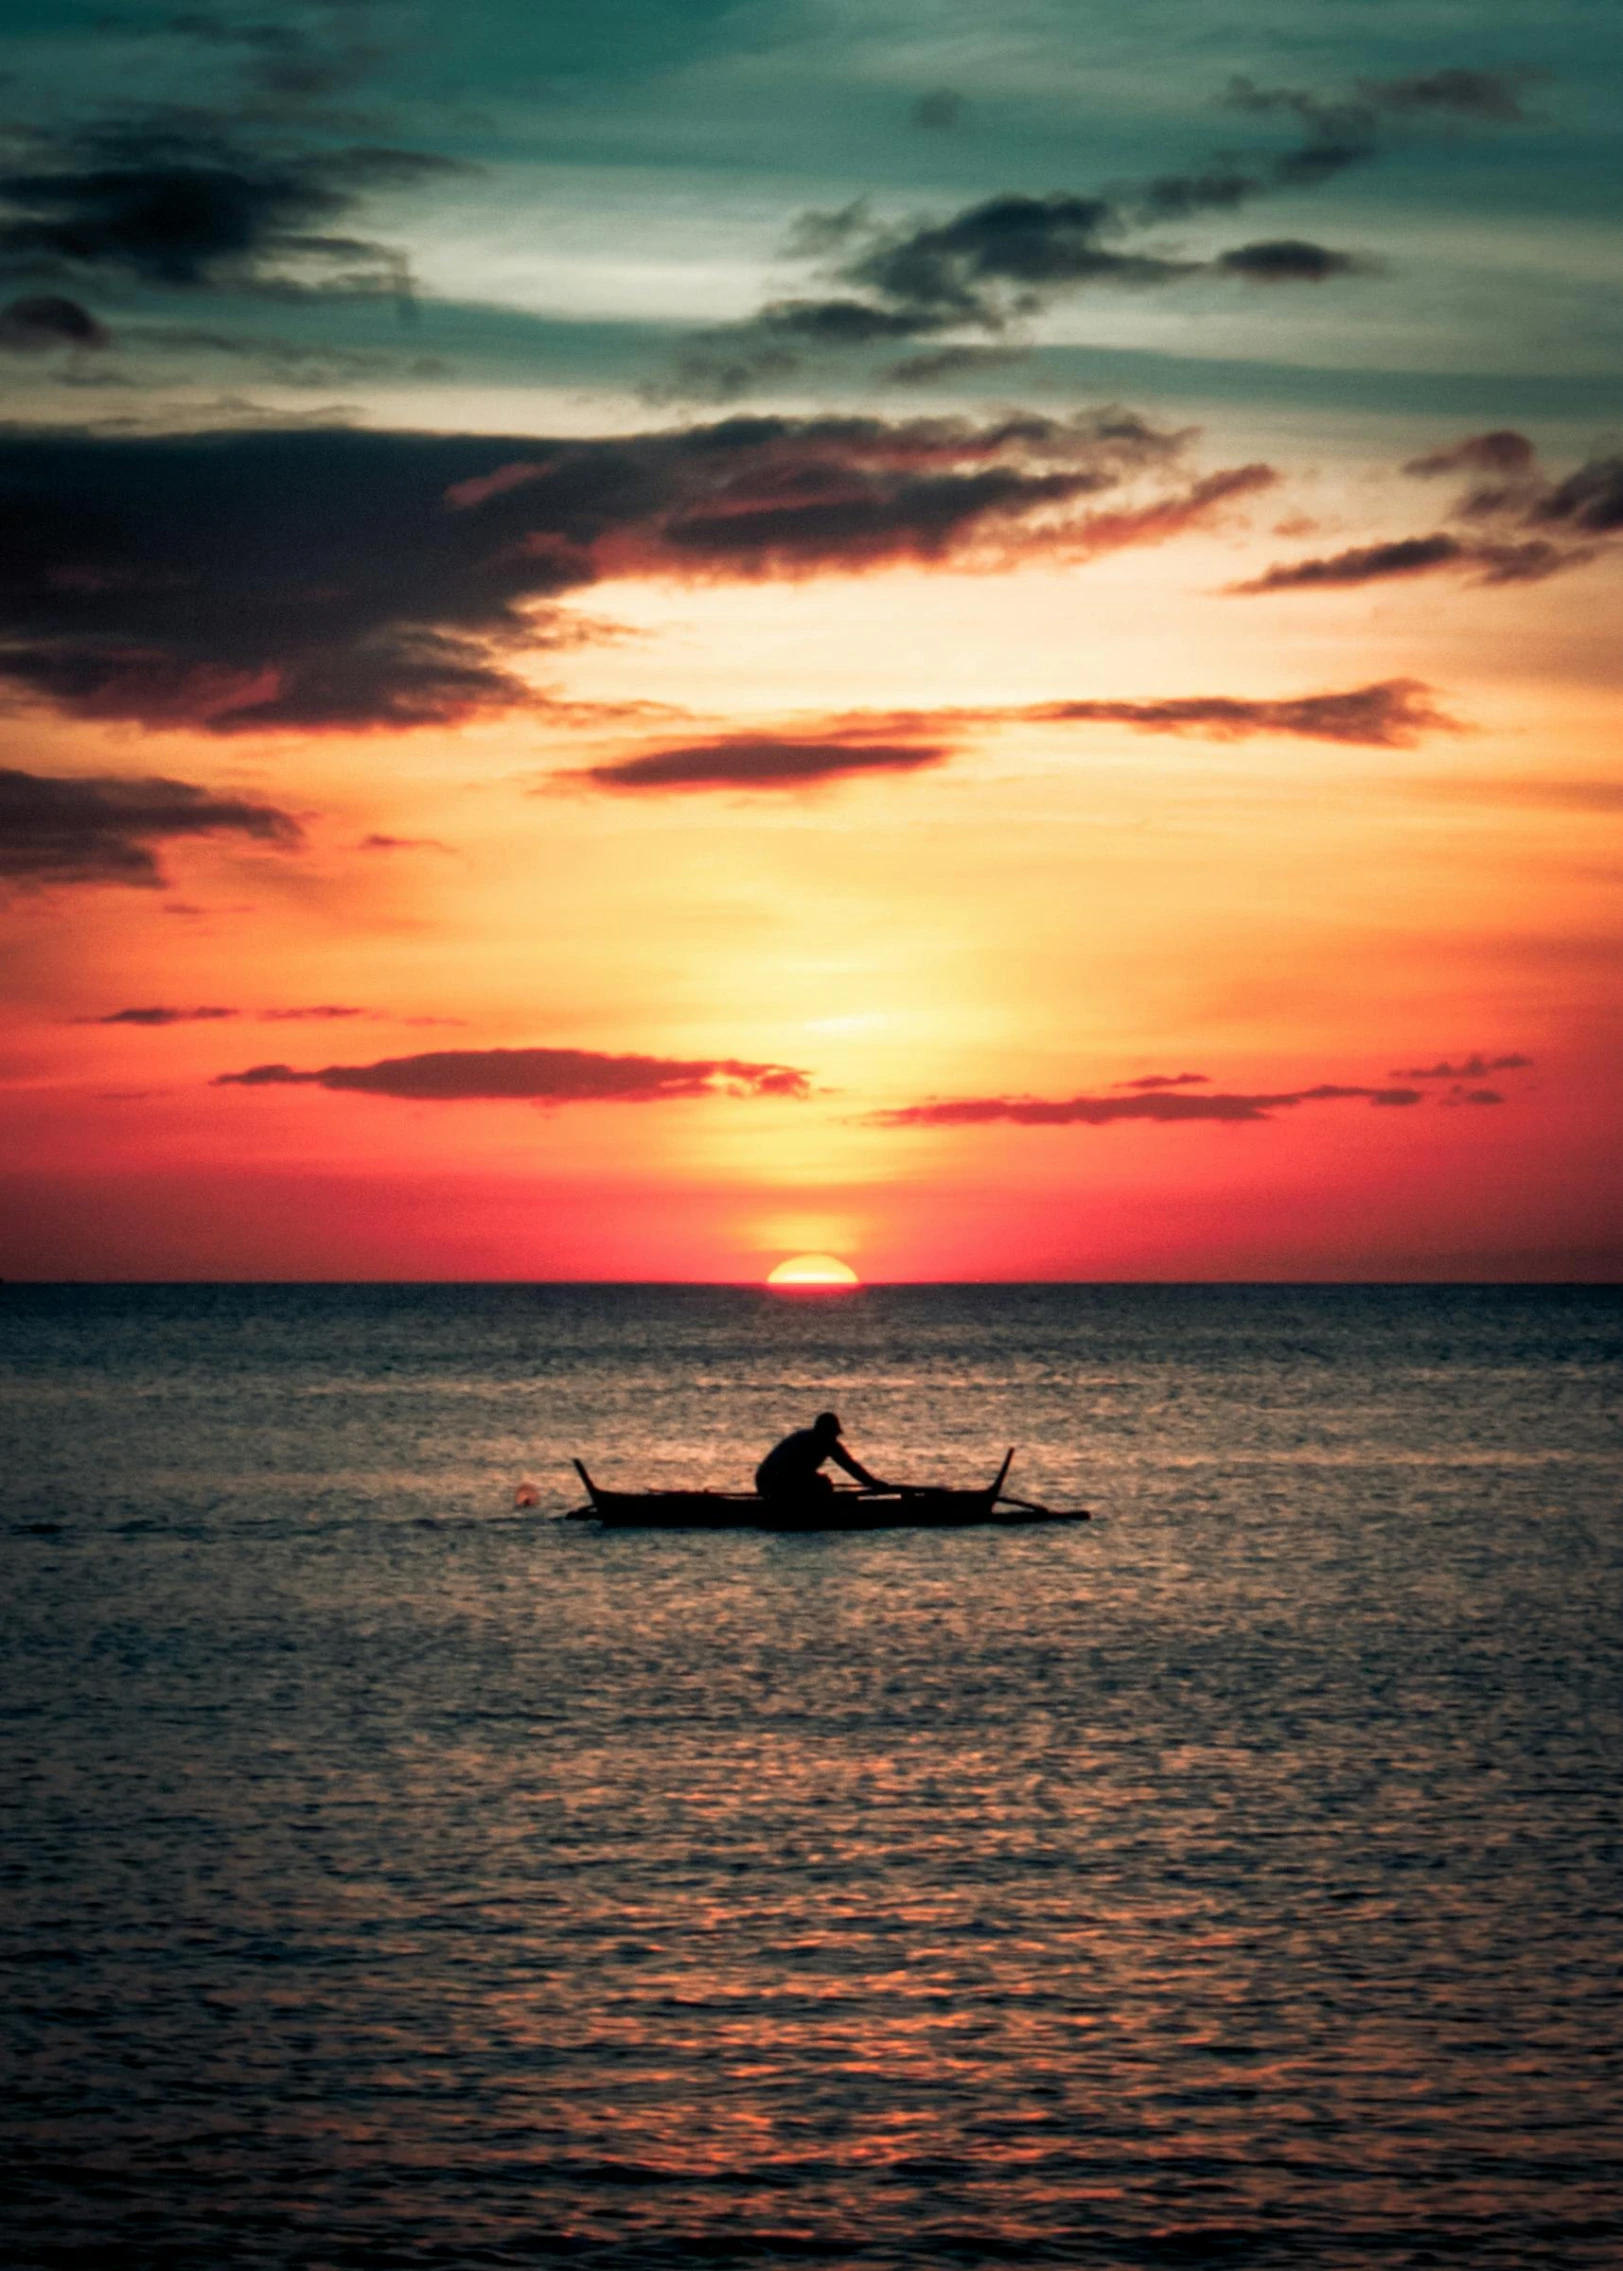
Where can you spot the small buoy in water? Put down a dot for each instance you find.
(526, 1495)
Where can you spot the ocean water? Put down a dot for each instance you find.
(392, 1877)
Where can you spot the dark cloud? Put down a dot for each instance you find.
(820, 235)
(1347, 130)
(174, 202)
(762, 761)
(1392, 714)
(1291, 260)
(281, 62)
(159, 1017)
(1590, 499)
(1363, 564)
(823, 520)
(1154, 1080)
(990, 266)
(282, 361)
(1158, 1105)
(390, 680)
(1493, 96)
(42, 320)
(950, 362)
(537, 1076)
(1473, 1067)
(941, 109)
(719, 366)
(1002, 257)
(1218, 187)
(1512, 524)
(328, 577)
(1007, 257)
(1336, 132)
(101, 830)
(1527, 562)
(377, 843)
(1505, 483)
(321, 1013)
(316, 1013)
(1503, 451)
(837, 323)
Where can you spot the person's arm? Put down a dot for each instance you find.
(842, 1458)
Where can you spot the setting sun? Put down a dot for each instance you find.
(823, 1273)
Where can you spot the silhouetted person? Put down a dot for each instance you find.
(793, 1469)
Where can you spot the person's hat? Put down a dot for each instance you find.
(828, 1423)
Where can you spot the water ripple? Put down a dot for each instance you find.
(394, 1880)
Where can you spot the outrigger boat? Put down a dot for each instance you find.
(897, 1508)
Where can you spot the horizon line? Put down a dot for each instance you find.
(809, 1291)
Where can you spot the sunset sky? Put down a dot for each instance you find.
(646, 636)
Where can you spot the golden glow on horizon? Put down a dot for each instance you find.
(819, 1273)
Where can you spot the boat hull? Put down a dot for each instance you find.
(839, 1510)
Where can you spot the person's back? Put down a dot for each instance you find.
(794, 1467)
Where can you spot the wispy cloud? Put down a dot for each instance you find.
(283, 65)
(1474, 1067)
(1165, 1106)
(1393, 714)
(1502, 451)
(1511, 525)
(319, 1013)
(1421, 556)
(314, 1013)
(159, 1016)
(535, 1076)
(1496, 95)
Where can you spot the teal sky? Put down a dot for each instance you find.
(629, 176)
